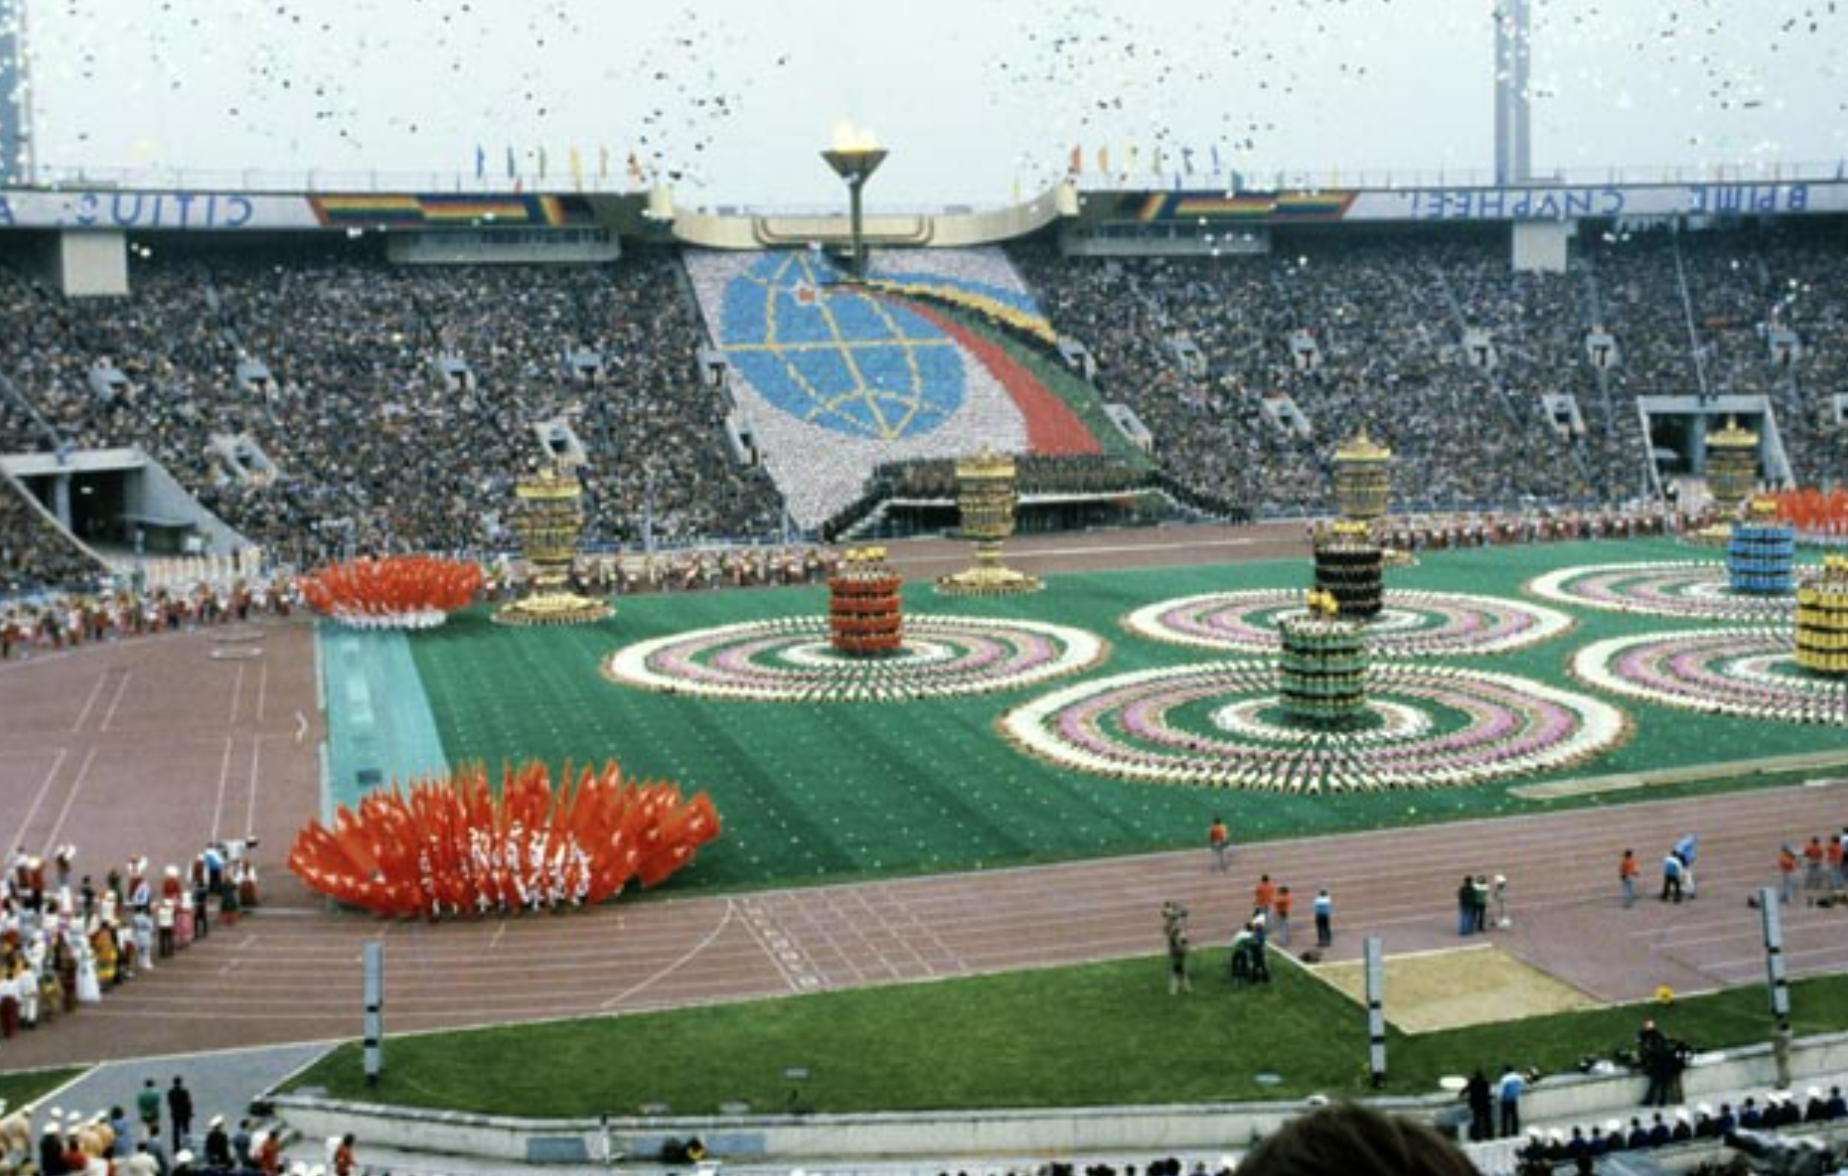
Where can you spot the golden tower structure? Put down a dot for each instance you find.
(1732, 465)
(549, 523)
(1363, 477)
(986, 491)
(1349, 565)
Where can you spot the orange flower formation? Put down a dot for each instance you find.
(453, 845)
(398, 592)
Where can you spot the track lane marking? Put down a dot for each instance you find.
(121, 689)
(38, 797)
(724, 921)
(90, 704)
(70, 799)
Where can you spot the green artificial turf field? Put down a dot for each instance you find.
(813, 791)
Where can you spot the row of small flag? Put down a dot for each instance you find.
(575, 161)
(1131, 160)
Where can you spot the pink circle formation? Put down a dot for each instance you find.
(791, 659)
(1751, 672)
(1216, 724)
(1411, 624)
(1691, 589)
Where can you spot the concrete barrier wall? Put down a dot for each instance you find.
(1075, 1132)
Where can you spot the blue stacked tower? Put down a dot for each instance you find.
(1761, 557)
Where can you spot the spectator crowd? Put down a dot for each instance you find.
(395, 405)
(391, 407)
(1381, 333)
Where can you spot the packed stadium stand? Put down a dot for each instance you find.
(1391, 318)
(381, 405)
(1387, 357)
(402, 399)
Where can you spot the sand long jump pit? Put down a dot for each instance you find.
(1477, 985)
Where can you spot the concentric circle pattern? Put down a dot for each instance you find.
(1737, 671)
(1217, 724)
(1412, 623)
(1679, 589)
(791, 659)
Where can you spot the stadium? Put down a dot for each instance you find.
(546, 667)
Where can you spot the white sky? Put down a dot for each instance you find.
(971, 96)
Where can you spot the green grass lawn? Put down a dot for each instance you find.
(1099, 1034)
(810, 792)
(25, 1086)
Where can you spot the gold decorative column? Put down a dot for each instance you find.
(549, 523)
(985, 493)
(1732, 465)
(1362, 478)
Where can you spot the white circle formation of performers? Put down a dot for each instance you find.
(1430, 623)
(1752, 672)
(795, 659)
(1695, 590)
(1224, 724)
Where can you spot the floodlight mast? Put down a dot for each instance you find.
(16, 149)
(1513, 93)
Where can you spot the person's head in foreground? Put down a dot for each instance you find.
(1345, 1139)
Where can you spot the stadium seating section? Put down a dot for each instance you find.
(362, 427)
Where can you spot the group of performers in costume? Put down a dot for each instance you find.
(398, 592)
(66, 620)
(63, 943)
(684, 571)
(1420, 532)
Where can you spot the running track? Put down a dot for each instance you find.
(146, 745)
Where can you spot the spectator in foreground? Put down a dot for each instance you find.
(1355, 1141)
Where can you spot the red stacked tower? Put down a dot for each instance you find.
(865, 615)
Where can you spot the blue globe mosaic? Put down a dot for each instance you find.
(837, 357)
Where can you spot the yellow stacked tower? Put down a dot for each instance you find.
(1822, 620)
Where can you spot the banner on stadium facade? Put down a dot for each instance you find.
(217, 211)
(124, 209)
(1467, 204)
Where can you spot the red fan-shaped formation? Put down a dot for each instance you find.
(398, 592)
(454, 845)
